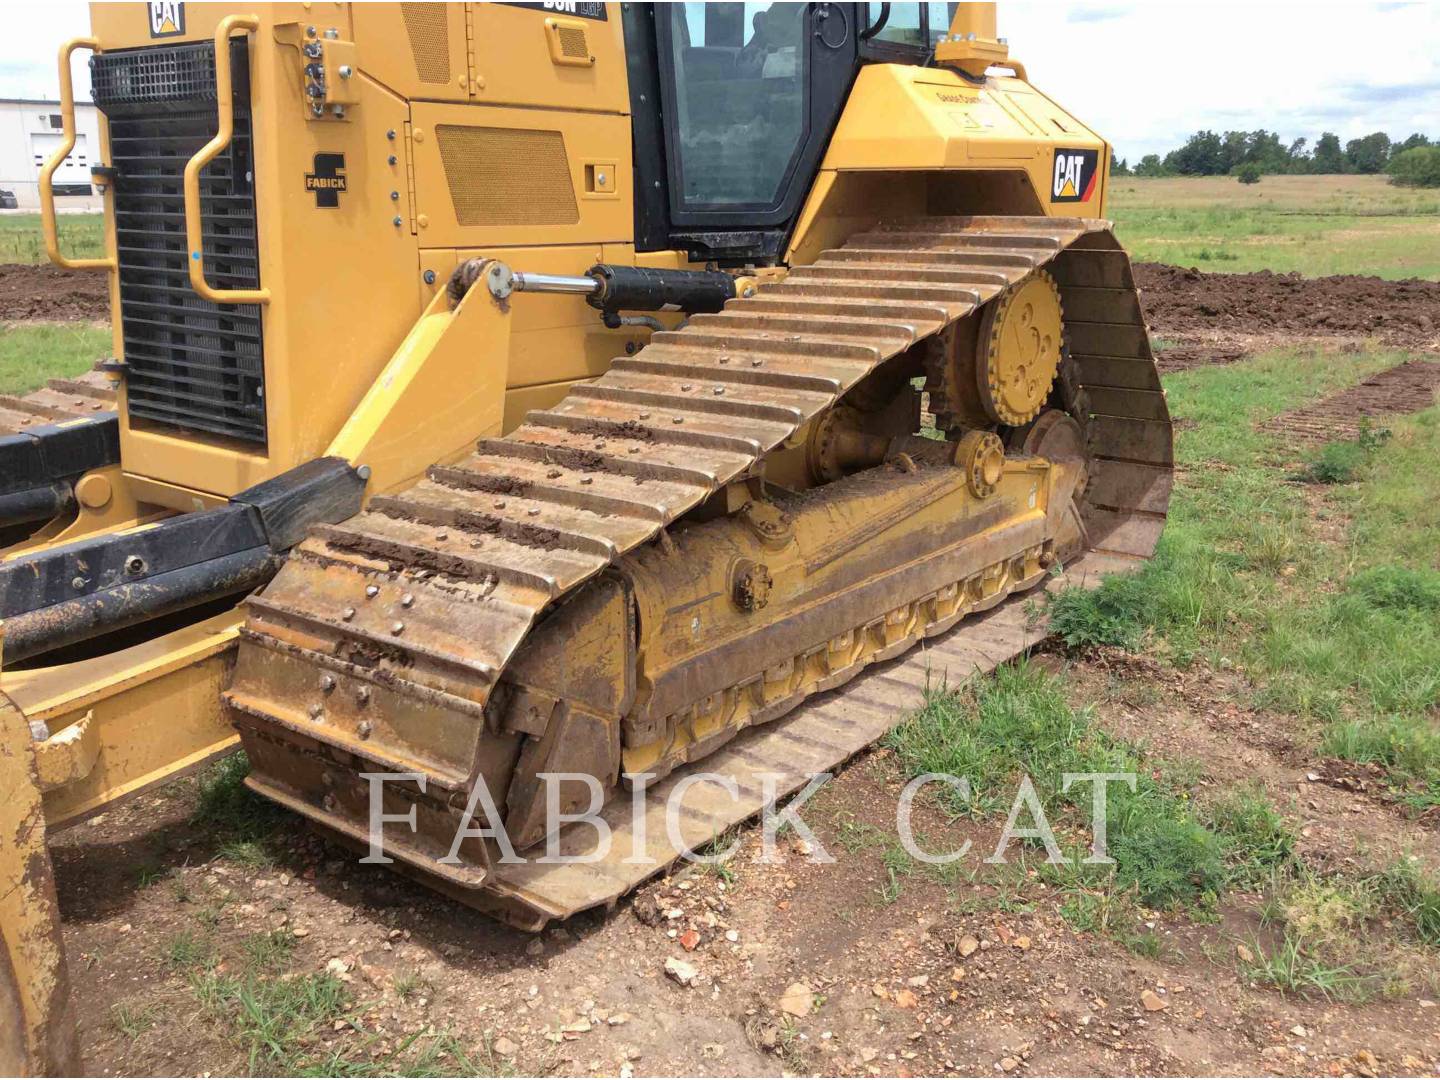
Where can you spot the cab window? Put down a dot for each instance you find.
(738, 101)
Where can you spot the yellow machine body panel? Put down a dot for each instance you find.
(915, 140)
(464, 130)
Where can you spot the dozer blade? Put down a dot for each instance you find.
(48, 439)
(432, 635)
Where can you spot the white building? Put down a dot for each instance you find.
(30, 131)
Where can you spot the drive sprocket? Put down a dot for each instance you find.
(998, 369)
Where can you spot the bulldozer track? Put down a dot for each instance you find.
(430, 591)
(59, 400)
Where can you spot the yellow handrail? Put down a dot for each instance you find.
(48, 226)
(225, 107)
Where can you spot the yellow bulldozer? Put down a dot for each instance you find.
(512, 391)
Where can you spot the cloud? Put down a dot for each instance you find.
(1087, 14)
(1384, 95)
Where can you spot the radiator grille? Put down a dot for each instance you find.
(190, 364)
(507, 176)
(428, 28)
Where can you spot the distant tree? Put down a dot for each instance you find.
(1328, 157)
(1234, 149)
(1119, 168)
(1408, 144)
(1202, 155)
(1368, 154)
(1418, 166)
(1150, 165)
(1248, 173)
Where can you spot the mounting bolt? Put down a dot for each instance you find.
(397, 627)
(363, 472)
(372, 591)
(407, 599)
(429, 277)
(316, 710)
(134, 564)
(77, 582)
(392, 159)
(395, 220)
(362, 695)
(348, 614)
(332, 33)
(394, 195)
(346, 71)
(363, 729)
(327, 682)
(390, 134)
(309, 31)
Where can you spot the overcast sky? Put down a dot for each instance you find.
(1143, 75)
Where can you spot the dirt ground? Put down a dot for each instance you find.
(52, 294)
(798, 967)
(1202, 318)
(1405, 388)
(916, 976)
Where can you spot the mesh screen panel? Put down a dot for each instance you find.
(506, 176)
(429, 31)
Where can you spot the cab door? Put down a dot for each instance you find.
(748, 94)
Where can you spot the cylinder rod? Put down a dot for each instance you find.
(555, 283)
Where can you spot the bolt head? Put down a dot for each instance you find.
(396, 220)
(372, 591)
(429, 277)
(397, 627)
(407, 600)
(348, 614)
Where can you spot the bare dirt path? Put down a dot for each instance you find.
(1405, 388)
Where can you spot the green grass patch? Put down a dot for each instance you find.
(31, 353)
(1315, 225)
(1341, 633)
(241, 823)
(82, 236)
(1019, 721)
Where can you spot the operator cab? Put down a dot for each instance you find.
(733, 107)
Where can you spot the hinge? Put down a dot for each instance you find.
(410, 174)
(472, 76)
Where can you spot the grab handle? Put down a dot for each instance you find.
(48, 225)
(225, 108)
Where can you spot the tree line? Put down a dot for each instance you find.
(1209, 153)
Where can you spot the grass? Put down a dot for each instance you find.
(82, 236)
(279, 1018)
(1019, 721)
(31, 353)
(1339, 632)
(1315, 225)
(239, 820)
(132, 1021)
(1350, 937)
